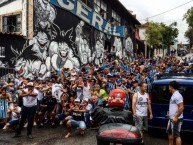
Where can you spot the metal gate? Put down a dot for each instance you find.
(6, 74)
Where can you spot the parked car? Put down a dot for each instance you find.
(160, 98)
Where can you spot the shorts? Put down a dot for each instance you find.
(174, 129)
(141, 123)
(79, 124)
(38, 106)
(14, 122)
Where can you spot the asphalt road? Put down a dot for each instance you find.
(55, 136)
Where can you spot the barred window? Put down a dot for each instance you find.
(12, 23)
(116, 18)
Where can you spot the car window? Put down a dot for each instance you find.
(161, 94)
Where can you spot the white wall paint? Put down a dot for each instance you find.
(11, 7)
(142, 33)
(16, 6)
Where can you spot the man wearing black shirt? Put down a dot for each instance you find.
(77, 119)
(48, 105)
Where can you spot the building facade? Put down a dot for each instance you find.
(40, 36)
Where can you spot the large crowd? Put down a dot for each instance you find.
(69, 96)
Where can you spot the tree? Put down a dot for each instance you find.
(188, 16)
(160, 34)
(169, 34)
(189, 35)
(153, 34)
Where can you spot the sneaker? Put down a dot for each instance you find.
(61, 122)
(30, 136)
(53, 124)
(35, 123)
(16, 135)
(25, 125)
(5, 127)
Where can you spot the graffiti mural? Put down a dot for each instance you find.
(128, 47)
(118, 46)
(61, 40)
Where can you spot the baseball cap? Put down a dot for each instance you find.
(77, 100)
(85, 99)
(30, 84)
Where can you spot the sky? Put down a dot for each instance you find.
(147, 8)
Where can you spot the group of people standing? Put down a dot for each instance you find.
(68, 96)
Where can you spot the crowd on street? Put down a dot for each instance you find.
(69, 96)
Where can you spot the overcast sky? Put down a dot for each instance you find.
(148, 8)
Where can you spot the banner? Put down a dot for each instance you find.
(89, 16)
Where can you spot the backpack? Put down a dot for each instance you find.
(117, 98)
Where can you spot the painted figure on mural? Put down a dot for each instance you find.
(64, 57)
(27, 67)
(118, 45)
(45, 13)
(82, 44)
(129, 47)
(98, 55)
(41, 43)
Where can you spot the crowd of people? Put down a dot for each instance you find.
(69, 96)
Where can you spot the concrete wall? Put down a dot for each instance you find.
(11, 7)
(15, 7)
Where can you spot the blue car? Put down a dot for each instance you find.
(160, 98)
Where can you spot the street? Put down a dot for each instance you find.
(55, 136)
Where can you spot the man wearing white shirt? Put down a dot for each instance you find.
(175, 115)
(28, 110)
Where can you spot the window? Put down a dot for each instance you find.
(12, 23)
(161, 94)
(2, 52)
(116, 18)
(100, 7)
(89, 3)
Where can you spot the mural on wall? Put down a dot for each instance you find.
(128, 47)
(61, 40)
(118, 46)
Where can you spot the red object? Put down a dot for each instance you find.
(119, 134)
(117, 98)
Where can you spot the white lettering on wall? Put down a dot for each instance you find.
(97, 20)
(108, 28)
(69, 6)
(82, 12)
(115, 32)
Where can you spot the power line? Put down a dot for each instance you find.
(167, 11)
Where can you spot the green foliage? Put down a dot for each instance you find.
(169, 34)
(159, 33)
(189, 19)
(188, 16)
(153, 34)
(189, 35)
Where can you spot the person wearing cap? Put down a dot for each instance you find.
(111, 83)
(77, 120)
(28, 110)
(48, 105)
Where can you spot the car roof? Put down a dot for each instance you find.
(167, 81)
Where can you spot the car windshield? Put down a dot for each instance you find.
(161, 94)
